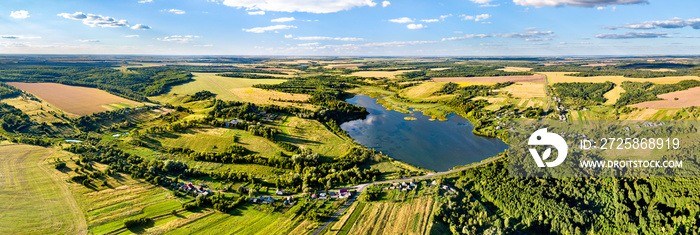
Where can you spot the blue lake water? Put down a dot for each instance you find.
(434, 145)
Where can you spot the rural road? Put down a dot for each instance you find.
(361, 187)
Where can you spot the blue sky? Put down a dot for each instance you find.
(352, 27)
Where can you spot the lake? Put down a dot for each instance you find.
(434, 145)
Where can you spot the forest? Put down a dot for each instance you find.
(579, 94)
(570, 205)
(137, 84)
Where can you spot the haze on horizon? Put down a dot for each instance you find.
(352, 27)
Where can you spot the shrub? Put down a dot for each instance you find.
(129, 223)
(59, 165)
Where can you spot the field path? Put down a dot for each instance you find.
(361, 187)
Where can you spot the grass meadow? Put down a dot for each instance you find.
(34, 200)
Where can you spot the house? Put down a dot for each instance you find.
(343, 191)
(288, 201)
(231, 123)
(263, 200)
(280, 192)
(313, 196)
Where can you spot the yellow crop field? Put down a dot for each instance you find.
(515, 69)
(74, 99)
(526, 90)
(613, 94)
(221, 86)
(260, 96)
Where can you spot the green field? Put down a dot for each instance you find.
(105, 206)
(247, 220)
(34, 200)
(314, 135)
(221, 86)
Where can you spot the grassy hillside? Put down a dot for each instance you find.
(34, 200)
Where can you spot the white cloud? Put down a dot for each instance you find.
(178, 38)
(386, 3)
(402, 20)
(259, 13)
(132, 36)
(317, 38)
(21, 14)
(429, 20)
(269, 28)
(18, 37)
(98, 20)
(575, 3)
(140, 27)
(288, 36)
(666, 24)
(491, 44)
(443, 17)
(367, 45)
(309, 44)
(146, 1)
(632, 35)
(600, 8)
(174, 11)
(530, 34)
(310, 6)
(476, 17)
(283, 19)
(89, 40)
(484, 3)
(416, 26)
